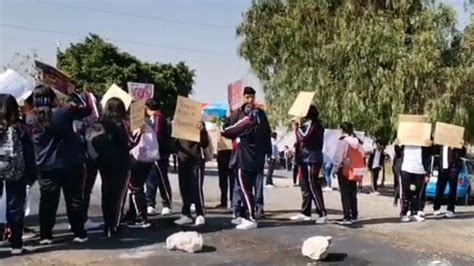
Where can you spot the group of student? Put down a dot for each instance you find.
(45, 142)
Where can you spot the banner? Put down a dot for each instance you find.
(301, 104)
(137, 115)
(54, 78)
(234, 94)
(140, 91)
(449, 135)
(116, 92)
(186, 118)
(414, 133)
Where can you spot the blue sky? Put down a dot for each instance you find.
(204, 28)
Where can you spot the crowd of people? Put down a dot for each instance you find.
(64, 145)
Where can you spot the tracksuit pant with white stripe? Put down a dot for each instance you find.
(159, 179)
(191, 177)
(411, 187)
(311, 189)
(139, 175)
(247, 184)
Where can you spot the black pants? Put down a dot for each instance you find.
(396, 181)
(271, 168)
(91, 175)
(348, 197)
(296, 169)
(226, 179)
(311, 190)
(374, 174)
(448, 176)
(259, 193)
(115, 178)
(247, 183)
(136, 185)
(412, 187)
(71, 181)
(191, 177)
(16, 196)
(159, 179)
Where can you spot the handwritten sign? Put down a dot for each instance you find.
(413, 118)
(234, 94)
(414, 133)
(186, 117)
(302, 103)
(116, 92)
(141, 91)
(137, 115)
(449, 135)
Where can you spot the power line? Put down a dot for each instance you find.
(167, 20)
(118, 41)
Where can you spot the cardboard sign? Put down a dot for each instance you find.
(116, 92)
(413, 118)
(137, 115)
(140, 91)
(234, 94)
(186, 117)
(449, 135)
(414, 133)
(302, 103)
(54, 78)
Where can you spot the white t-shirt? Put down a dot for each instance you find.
(445, 157)
(412, 160)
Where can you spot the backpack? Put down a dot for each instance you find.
(354, 167)
(12, 161)
(147, 149)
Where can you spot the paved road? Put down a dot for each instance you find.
(379, 240)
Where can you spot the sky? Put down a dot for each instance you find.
(198, 32)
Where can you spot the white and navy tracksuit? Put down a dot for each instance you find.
(191, 173)
(310, 137)
(252, 134)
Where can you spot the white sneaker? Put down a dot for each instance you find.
(80, 240)
(409, 213)
(344, 222)
(438, 213)
(300, 217)
(236, 221)
(16, 251)
(418, 218)
(354, 221)
(46, 241)
(322, 220)
(450, 214)
(183, 220)
(269, 186)
(406, 219)
(246, 225)
(200, 220)
(193, 207)
(89, 225)
(151, 211)
(327, 189)
(166, 211)
(421, 213)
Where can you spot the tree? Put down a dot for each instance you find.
(95, 65)
(367, 61)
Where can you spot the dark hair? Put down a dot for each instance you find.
(43, 101)
(114, 110)
(348, 128)
(153, 104)
(274, 135)
(9, 113)
(313, 113)
(249, 90)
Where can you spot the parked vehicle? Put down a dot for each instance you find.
(465, 181)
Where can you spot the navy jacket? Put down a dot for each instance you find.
(311, 138)
(58, 147)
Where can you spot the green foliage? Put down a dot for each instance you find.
(95, 65)
(368, 61)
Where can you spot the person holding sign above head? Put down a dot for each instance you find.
(250, 129)
(158, 177)
(310, 136)
(191, 175)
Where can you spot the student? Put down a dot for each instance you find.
(191, 176)
(310, 136)
(376, 162)
(328, 167)
(251, 130)
(113, 160)
(158, 177)
(272, 160)
(450, 167)
(18, 168)
(60, 159)
(349, 164)
(226, 178)
(415, 170)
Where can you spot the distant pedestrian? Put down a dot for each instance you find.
(272, 160)
(376, 162)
